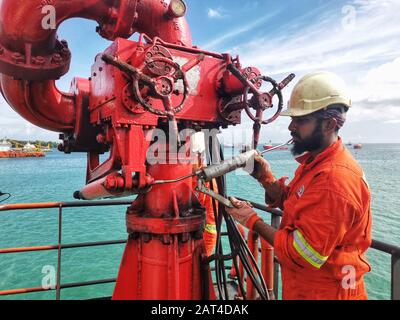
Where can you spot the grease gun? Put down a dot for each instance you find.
(208, 173)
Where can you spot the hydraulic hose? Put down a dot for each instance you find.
(237, 243)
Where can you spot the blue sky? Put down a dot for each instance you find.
(357, 39)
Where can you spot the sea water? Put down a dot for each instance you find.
(57, 176)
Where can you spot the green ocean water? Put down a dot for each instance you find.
(55, 177)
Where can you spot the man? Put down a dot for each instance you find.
(326, 225)
(197, 145)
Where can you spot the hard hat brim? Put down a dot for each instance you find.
(309, 107)
(295, 113)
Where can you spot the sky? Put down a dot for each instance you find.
(357, 39)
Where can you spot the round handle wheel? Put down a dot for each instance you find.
(162, 87)
(262, 101)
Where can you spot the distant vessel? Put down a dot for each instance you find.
(357, 146)
(5, 146)
(29, 147)
(349, 144)
(268, 145)
(27, 151)
(44, 149)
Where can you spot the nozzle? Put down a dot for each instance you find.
(220, 169)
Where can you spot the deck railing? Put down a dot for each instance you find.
(276, 215)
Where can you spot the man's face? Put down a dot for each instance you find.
(307, 134)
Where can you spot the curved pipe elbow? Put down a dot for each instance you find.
(30, 50)
(41, 103)
(31, 56)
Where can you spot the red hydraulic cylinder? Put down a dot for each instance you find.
(164, 252)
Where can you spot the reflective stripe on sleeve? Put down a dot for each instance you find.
(211, 228)
(306, 251)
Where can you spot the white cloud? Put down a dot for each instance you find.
(12, 125)
(214, 13)
(380, 84)
(392, 121)
(367, 56)
(239, 30)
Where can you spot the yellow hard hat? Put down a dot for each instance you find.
(316, 91)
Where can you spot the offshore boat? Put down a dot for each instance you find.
(21, 154)
(29, 151)
(357, 146)
(268, 145)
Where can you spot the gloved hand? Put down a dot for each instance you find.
(243, 213)
(261, 171)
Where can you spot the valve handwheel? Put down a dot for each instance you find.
(162, 87)
(261, 100)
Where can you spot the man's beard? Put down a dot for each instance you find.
(312, 143)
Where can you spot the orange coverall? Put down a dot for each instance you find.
(210, 231)
(325, 229)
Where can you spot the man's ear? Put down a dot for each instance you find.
(330, 124)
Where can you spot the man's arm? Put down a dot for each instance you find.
(245, 215)
(265, 231)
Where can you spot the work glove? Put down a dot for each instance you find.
(261, 171)
(243, 213)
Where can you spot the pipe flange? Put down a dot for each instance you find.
(26, 66)
(129, 102)
(135, 223)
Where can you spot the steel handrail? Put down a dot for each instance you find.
(59, 247)
(276, 214)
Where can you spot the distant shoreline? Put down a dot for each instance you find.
(17, 143)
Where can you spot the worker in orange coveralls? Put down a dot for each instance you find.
(326, 225)
(210, 231)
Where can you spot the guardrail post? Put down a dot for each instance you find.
(395, 283)
(58, 288)
(275, 222)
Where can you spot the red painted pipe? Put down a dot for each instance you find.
(153, 20)
(100, 189)
(252, 242)
(30, 52)
(110, 186)
(41, 103)
(267, 266)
